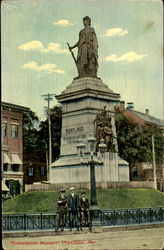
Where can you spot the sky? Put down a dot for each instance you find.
(36, 60)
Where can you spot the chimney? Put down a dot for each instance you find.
(146, 111)
(130, 106)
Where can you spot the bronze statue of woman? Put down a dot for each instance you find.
(87, 57)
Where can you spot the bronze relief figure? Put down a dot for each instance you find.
(104, 130)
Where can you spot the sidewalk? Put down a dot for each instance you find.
(51, 232)
(121, 240)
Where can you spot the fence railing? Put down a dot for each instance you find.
(21, 222)
(131, 216)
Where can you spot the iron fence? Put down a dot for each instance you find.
(43, 221)
(131, 216)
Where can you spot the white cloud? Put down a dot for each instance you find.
(128, 57)
(48, 67)
(55, 48)
(115, 32)
(38, 46)
(63, 23)
(33, 45)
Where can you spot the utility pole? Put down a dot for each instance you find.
(154, 164)
(49, 98)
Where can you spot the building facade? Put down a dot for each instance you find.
(34, 170)
(12, 147)
(145, 171)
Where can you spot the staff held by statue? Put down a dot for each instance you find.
(72, 53)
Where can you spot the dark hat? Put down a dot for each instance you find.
(62, 190)
(83, 193)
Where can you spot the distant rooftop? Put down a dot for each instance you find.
(14, 106)
(148, 118)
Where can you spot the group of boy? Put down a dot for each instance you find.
(73, 206)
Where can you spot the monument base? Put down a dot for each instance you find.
(81, 102)
(70, 169)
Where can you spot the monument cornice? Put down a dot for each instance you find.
(88, 93)
(86, 110)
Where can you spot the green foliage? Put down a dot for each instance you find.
(30, 133)
(135, 142)
(36, 135)
(45, 201)
(56, 114)
(29, 120)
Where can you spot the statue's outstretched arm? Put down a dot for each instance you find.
(74, 45)
(77, 42)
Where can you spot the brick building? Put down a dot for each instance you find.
(144, 171)
(12, 147)
(34, 169)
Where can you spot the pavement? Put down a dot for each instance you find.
(150, 239)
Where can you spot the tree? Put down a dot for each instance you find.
(30, 132)
(135, 142)
(35, 134)
(55, 114)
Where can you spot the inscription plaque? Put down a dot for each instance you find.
(72, 135)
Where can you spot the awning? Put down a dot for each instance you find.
(15, 159)
(4, 187)
(6, 158)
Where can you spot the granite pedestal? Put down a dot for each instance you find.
(81, 102)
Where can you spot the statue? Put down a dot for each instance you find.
(87, 57)
(104, 130)
(108, 136)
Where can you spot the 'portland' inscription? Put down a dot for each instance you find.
(72, 135)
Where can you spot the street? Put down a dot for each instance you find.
(120, 240)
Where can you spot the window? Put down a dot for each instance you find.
(42, 172)
(15, 168)
(5, 167)
(14, 188)
(5, 129)
(7, 183)
(135, 172)
(14, 130)
(30, 171)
